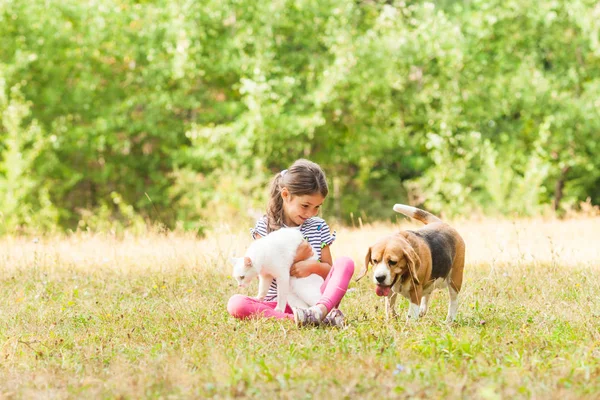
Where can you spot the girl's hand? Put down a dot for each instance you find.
(304, 251)
(302, 269)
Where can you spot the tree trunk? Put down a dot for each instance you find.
(558, 189)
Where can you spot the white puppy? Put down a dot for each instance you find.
(271, 257)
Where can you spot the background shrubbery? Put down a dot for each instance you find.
(118, 113)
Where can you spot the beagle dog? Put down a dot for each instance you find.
(414, 263)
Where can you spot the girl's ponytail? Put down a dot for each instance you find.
(275, 205)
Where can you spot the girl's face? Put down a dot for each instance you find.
(297, 209)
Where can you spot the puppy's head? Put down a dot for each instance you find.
(392, 258)
(243, 270)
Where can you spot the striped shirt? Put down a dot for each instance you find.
(315, 230)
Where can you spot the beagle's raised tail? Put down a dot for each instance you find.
(416, 213)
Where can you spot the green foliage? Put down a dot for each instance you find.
(24, 199)
(485, 106)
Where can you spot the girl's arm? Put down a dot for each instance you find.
(302, 269)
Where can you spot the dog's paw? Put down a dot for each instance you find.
(413, 311)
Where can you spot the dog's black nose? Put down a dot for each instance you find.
(242, 278)
(380, 279)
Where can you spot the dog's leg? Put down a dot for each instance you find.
(455, 280)
(413, 311)
(264, 282)
(390, 305)
(424, 305)
(453, 306)
(283, 288)
(295, 301)
(415, 295)
(307, 289)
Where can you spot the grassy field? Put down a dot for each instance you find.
(144, 317)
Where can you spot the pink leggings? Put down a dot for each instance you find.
(333, 289)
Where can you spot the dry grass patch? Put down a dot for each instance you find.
(99, 316)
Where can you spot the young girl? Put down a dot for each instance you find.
(297, 193)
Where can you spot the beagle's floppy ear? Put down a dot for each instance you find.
(366, 268)
(413, 263)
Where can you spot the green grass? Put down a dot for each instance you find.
(104, 318)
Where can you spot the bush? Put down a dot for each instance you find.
(184, 111)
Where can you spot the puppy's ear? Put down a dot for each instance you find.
(366, 268)
(413, 263)
(247, 262)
